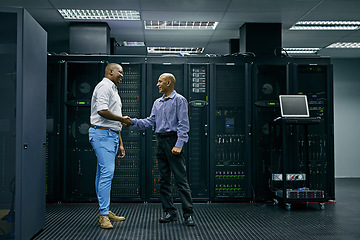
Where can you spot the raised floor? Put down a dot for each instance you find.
(339, 220)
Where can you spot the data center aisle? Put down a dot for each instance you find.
(339, 220)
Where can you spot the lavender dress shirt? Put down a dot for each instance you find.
(168, 114)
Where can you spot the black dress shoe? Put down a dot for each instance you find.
(189, 221)
(168, 217)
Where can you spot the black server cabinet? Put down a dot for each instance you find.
(22, 124)
(198, 153)
(53, 153)
(230, 175)
(192, 81)
(128, 182)
(154, 70)
(315, 81)
(81, 75)
(269, 80)
(80, 80)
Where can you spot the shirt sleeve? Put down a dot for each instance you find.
(102, 98)
(142, 124)
(183, 126)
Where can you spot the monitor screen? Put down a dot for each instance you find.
(294, 106)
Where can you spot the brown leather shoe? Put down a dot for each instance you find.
(115, 218)
(104, 222)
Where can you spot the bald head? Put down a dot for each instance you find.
(114, 72)
(166, 83)
(169, 77)
(110, 67)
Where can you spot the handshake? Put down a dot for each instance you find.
(126, 121)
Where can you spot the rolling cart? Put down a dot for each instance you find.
(292, 179)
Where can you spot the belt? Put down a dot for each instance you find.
(167, 134)
(104, 128)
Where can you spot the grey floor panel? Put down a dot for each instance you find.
(340, 220)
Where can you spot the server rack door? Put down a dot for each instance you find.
(80, 161)
(53, 165)
(34, 127)
(129, 171)
(269, 81)
(198, 163)
(315, 81)
(22, 124)
(8, 126)
(229, 168)
(153, 73)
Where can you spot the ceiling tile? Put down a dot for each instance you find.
(95, 4)
(181, 16)
(185, 5)
(231, 14)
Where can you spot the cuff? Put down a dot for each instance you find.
(102, 107)
(133, 121)
(179, 143)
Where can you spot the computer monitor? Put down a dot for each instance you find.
(294, 106)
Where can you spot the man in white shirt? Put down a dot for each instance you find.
(104, 135)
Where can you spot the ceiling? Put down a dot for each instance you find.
(231, 15)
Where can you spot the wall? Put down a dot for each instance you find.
(347, 117)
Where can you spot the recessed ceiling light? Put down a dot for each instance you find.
(344, 45)
(178, 50)
(301, 50)
(133, 44)
(326, 25)
(179, 25)
(84, 14)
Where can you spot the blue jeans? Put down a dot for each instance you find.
(105, 144)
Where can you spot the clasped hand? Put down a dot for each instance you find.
(126, 121)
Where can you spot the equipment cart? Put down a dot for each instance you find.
(297, 170)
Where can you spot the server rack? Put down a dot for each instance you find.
(22, 125)
(314, 79)
(53, 140)
(80, 74)
(128, 182)
(269, 78)
(192, 81)
(219, 123)
(198, 153)
(230, 165)
(80, 79)
(295, 76)
(154, 69)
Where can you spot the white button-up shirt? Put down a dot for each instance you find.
(105, 97)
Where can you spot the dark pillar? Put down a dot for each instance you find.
(262, 39)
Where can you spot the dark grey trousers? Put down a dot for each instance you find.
(176, 163)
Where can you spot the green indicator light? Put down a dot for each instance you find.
(81, 102)
(272, 103)
(198, 103)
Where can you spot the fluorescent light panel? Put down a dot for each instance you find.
(133, 44)
(179, 25)
(175, 49)
(345, 45)
(84, 14)
(326, 25)
(301, 50)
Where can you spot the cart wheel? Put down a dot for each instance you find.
(322, 206)
(288, 206)
(276, 202)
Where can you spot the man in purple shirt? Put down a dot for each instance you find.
(170, 116)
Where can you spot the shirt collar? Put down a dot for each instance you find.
(172, 95)
(108, 81)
